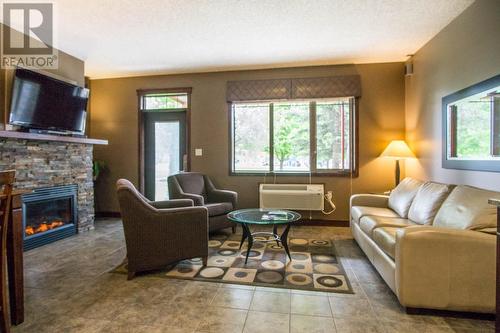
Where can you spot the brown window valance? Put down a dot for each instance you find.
(321, 87)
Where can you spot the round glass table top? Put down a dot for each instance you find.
(263, 216)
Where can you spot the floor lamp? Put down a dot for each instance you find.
(398, 150)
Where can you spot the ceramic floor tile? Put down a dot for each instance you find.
(233, 298)
(310, 305)
(222, 320)
(265, 322)
(74, 292)
(271, 302)
(310, 324)
(359, 325)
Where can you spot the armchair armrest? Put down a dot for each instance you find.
(216, 195)
(172, 203)
(175, 190)
(198, 200)
(371, 200)
(196, 214)
(446, 269)
(223, 196)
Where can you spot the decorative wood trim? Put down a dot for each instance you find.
(48, 137)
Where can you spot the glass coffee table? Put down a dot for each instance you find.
(255, 216)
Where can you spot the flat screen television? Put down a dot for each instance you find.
(44, 103)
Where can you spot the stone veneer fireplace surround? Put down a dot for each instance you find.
(44, 161)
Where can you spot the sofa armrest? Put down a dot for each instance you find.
(446, 269)
(174, 203)
(371, 200)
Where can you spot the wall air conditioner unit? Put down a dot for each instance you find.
(292, 196)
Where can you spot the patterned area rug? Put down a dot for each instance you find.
(314, 265)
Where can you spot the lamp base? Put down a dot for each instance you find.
(398, 173)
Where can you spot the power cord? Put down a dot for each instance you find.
(328, 198)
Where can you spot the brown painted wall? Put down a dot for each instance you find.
(114, 116)
(465, 52)
(70, 68)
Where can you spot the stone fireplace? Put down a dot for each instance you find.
(43, 162)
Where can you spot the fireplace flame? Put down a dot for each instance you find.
(30, 230)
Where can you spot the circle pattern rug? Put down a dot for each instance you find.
(314, 265)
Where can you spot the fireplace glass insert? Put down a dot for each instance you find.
(49, 214)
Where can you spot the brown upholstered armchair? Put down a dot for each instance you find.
(160, 233)
(200, 189)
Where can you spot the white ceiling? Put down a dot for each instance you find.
(132, 37)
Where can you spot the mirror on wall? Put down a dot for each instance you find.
(471, 127)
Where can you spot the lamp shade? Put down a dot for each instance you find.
(397, 149)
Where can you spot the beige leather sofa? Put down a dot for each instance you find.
(432, 243)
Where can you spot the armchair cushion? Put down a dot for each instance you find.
(220, 208)
(192, 183)
(402, 196)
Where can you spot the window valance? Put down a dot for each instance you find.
(304, 88)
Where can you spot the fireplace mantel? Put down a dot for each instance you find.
(48, 137)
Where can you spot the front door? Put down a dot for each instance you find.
(164, 151)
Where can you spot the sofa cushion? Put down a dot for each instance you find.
(402, 196)
(427, 201)
(219, 208)
(467, 208)
(369, 223)
(385, 238)
(357, 212)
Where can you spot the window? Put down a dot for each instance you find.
(164, 101)
(293, 137)
(472, 127)
(251, 139)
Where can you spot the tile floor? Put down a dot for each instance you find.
(69, 289)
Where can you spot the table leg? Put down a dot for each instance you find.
(275, 232)
(250, 241)
(15, 264)
(284, 240)
(244, 236)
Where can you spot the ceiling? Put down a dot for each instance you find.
(118, 38)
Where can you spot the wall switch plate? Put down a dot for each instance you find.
(198, 152)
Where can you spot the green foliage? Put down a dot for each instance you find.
(98, 167)
(291, 132)
(473, 129)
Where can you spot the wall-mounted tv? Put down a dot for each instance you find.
(44, 103)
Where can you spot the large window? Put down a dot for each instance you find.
(293, 137)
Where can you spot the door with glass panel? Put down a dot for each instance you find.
(164, 151)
